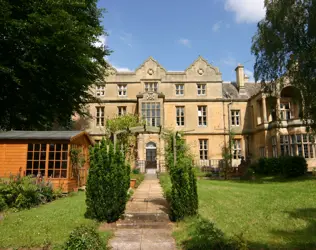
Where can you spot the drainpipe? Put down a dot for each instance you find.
(229, 135)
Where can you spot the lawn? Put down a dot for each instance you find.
(48, 224)
(270, 213)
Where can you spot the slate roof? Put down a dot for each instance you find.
(230, 90)
(39, 135)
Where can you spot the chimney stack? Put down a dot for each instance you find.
(240, 76)
(240, 80)
(246, 78)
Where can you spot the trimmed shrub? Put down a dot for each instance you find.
(107, 184)
(294, 166)
(288, 166)
(183, 196)
(84, 238)
(269, 166)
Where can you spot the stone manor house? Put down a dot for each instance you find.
(208, 110)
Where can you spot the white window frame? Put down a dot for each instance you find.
(203, 149)
(151, 113)
(285, 112)
(202, 116)
(179, 89)
(151, 87)
(180, 116)
(100, 90)
(99, 116)
(237, 149)
(201, 89)
(235, 117)
(303, 145)
(121, 110)
(122, 89)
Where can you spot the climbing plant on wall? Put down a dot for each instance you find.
(125, 139)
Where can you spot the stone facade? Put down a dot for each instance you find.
(198, 102)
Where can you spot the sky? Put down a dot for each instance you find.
(176, 32)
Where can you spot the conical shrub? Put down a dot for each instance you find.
(108, 183)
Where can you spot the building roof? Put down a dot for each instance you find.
(230, 90)
(41, 135)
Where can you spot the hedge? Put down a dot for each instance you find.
(287, 166)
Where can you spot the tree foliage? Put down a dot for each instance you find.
(107, 184)
(127, 139)
(49, 58)
(285, 49)
(184, 197)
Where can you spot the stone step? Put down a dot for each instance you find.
(153, 217)
(143, 224)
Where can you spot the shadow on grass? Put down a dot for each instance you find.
(199, 233)
(270, 179)
(304, 238)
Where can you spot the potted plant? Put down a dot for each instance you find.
(132, 183)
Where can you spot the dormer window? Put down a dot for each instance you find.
(99, 90)
(151, 87)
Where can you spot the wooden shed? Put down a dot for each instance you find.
(47, 153)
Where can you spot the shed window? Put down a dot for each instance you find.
(36, 159)
(57, 164)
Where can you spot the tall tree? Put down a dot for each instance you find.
(50, 54)
(285, 49)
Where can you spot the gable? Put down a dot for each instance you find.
(200, 69)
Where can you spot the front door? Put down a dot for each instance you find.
(151, 158)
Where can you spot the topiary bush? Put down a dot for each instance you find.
(269, 166)
(287, 166)
(84, 238)
(107, 184)
(183, 197)
(294, 166)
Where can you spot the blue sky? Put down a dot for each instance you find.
(176, 32)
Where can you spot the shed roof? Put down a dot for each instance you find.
(41, 135)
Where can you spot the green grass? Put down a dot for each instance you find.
(48, 224)
(269, 212)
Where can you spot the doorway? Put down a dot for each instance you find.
(151, 155)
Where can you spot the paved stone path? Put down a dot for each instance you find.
(146, 225)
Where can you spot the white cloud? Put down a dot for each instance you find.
(102, 41)
(127, 38)
(185, 42)
(216, 26)
(122, 69)
(249, 11)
